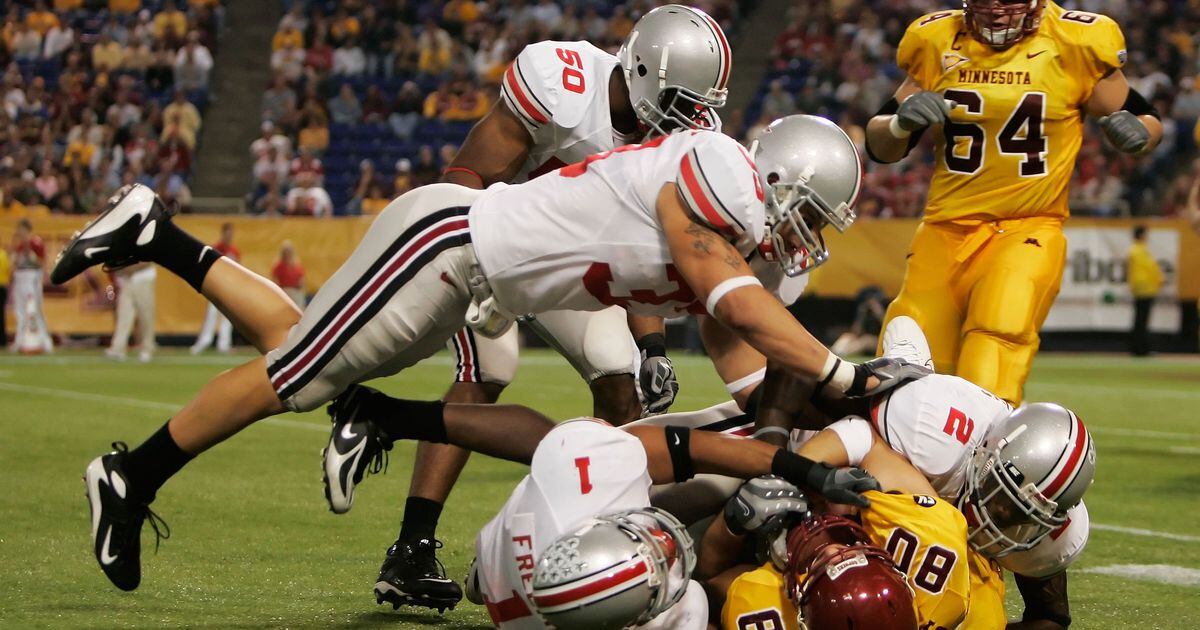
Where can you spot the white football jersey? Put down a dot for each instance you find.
(559, 91)
(587, 236)
(936, 423)
(583, 468)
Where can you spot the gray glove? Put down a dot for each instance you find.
(762, 503)
(1125, 131)
(842, 485)
(659, 386)
(892, 373)
(922, 110)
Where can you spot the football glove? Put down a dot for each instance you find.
(656, 376)
(842, 485)
(922, 110)
(892, 373)
(763, 503)
(1125, 131)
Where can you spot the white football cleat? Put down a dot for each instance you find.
(904, 339)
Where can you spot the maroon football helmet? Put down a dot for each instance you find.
(1002, 23)
(838, 579)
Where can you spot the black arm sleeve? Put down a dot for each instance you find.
(1137, 105)
(1045, 598)
(889, 108)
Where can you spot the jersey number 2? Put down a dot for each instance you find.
(572, 78)
(1022, 134)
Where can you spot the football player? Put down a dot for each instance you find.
(582, 469)
(1004, 85)
(560, 103)
(670, 237)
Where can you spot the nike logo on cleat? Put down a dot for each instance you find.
(347, 433)
(105, 558)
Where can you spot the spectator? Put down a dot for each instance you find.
(778, 101)
(188, 115)
(349, 59)
(124, 7)
(344, 27)
(405, 54)
(548, 14)
(271, 138)
(314, 136)
(375, 201)
(26, 43)
(279, 101)
(41, 19)
(1145, 281)
(366, 178)
(319, 57)
(138, 57)
(160, 76)
(176, 128)
(287, 36)
(288, 273)
(270, 204)
(174, 154)
(288, 61)
(375, 108)
(403, 181)
(122, 113)
(434, 47)
(406, 110)
(307, 198)
(619, 25)
(306, 164)
(59, 39)
(456, 100)
(345, 109)
(295, 18)
(135, 301)
(28, 254)
(1192, 210)
(5, 274)
(215, 323)
(116, 30)
(170, 24)
(192, 64)
(270, 170)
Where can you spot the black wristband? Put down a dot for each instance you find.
(654, 344)
(792, 467)
(859, 386)
(679, 446)
(1137, 105)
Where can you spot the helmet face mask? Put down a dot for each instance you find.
(796, 214)
(1004, 517)
(1002, 23)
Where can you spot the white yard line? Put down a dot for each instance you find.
(1149, 533)
(1165, 435)
(1159, 573)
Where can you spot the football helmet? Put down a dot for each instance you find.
(1002, 23)
(614, 571)
(676, 62)
(1032, 467)
(838, 578)
(811, 173)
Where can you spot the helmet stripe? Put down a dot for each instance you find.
(621, 577)
(725, 55)
(1074, 462)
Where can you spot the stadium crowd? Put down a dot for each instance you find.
(101, 93)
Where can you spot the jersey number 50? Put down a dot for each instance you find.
(1022, 135)
(572, 78)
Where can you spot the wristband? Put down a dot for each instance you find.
(894, 128)
(462, 169)
(679, 446)
(772, 431)
(792, 467)
(653, 344)
(841, 374)
(723, 289)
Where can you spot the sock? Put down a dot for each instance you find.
(420, 519)
(150, 465)
(181, 254)
(408, 419)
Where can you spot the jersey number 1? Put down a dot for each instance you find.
(1022, 135)
(572, 78)
(582, 464)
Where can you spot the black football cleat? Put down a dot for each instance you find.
(356, 447)
(113, 239)
(412, 575)
(117, 520)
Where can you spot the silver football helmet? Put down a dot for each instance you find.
(811, 174)
(614, 571)
(676, 62)
(1032, 467)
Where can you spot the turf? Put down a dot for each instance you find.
(253, 544)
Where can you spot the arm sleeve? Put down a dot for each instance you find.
(721, 187)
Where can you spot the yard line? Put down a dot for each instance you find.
(1160, 573)
(1166, 435)
(139, 403)
(1137, 531)
(1115, 390)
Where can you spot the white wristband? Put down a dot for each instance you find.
(753, 378)
(838, 373)
(722, 289)
(896, 130)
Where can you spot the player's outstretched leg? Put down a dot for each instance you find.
(136, 227)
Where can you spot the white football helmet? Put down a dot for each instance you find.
(676, 62)
(811, 174)
(614, 571)
(1032, 468)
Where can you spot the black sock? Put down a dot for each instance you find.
(182, 254)
(420, 519)
(408, 419)
(150, 465)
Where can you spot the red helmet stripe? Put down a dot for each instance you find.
(629, 573)
(726, 55)
(1074, 461)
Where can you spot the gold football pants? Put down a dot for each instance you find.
(981, 292)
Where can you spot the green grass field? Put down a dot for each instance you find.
(253, 544)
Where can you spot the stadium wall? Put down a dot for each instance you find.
(871, 253)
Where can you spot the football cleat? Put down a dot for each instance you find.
(356, 447)
(412, 575)
(113, 239)
(904, 339)
(117, 520)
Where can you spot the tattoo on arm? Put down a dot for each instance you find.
(705, 240)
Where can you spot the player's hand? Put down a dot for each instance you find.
(659, 385)
(887, 373)
(1125, 131)
(842, 485)
(922, 110)
(763, 502)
